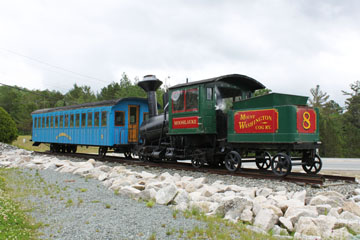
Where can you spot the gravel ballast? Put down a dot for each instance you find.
(79, 208)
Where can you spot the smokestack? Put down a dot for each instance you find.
(150, 84)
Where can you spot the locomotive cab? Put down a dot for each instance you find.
(197, 115)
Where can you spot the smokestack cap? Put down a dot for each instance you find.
(150, 83)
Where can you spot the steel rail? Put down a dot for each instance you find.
(295, 177)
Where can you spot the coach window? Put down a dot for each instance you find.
(61, 123)
(145, 116)
(89, 119)
(47, 122)
(43, 122)
(56, 121)
(51, 121)
(66, 122)
(72, 120)
(40, 122)
(96, 119)
(177, 98)
(77, 120)
(192, 99)
(103, 119)
(35, 122)
(83, 119)
(119, 118)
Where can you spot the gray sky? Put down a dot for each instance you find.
(289, 46)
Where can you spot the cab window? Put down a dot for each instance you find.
(177, 98)
(192, 99)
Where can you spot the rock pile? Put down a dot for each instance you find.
(327, 215)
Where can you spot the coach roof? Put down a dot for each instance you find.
(233, 79)
(89, 105)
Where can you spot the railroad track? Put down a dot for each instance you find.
(315, 180)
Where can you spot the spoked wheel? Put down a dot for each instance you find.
(128, 155)
(232, 161)
(68, 149)
(52, 148)
(73, 148)
(141, 155)
(281, 164)
(313, 166)
(264, 161)
(198, 158)
(102, 151)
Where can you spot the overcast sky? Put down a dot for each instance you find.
(289, 46)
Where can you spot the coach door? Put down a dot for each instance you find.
(133, 123)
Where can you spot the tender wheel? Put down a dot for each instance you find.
(281, 164)
(264, 161)
(198, 158)
(102, 151)
(232, 161)
(128, 155)
(313, 166)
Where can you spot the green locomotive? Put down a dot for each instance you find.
(219, 121)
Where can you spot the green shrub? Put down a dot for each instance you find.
(8, 130)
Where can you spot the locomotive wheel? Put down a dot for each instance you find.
(232, 161)
(313, 166)
(281, 164)
(198, 158)
(102, 151)
(128, 155)
(264, 161)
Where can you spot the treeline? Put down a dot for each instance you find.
(20, 102)
(339, 127)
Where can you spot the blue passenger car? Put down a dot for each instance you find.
(108, 124)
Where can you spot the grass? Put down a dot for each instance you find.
(218, 228)
(150, 204)
(14, 220)
(24, 142)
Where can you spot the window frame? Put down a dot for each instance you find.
(102, 114)
(61, 120)
(185, 91)
(77, 120)
(91, 119)
(83, 120)
(97, 117)
(121, 125)
(72, 120)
